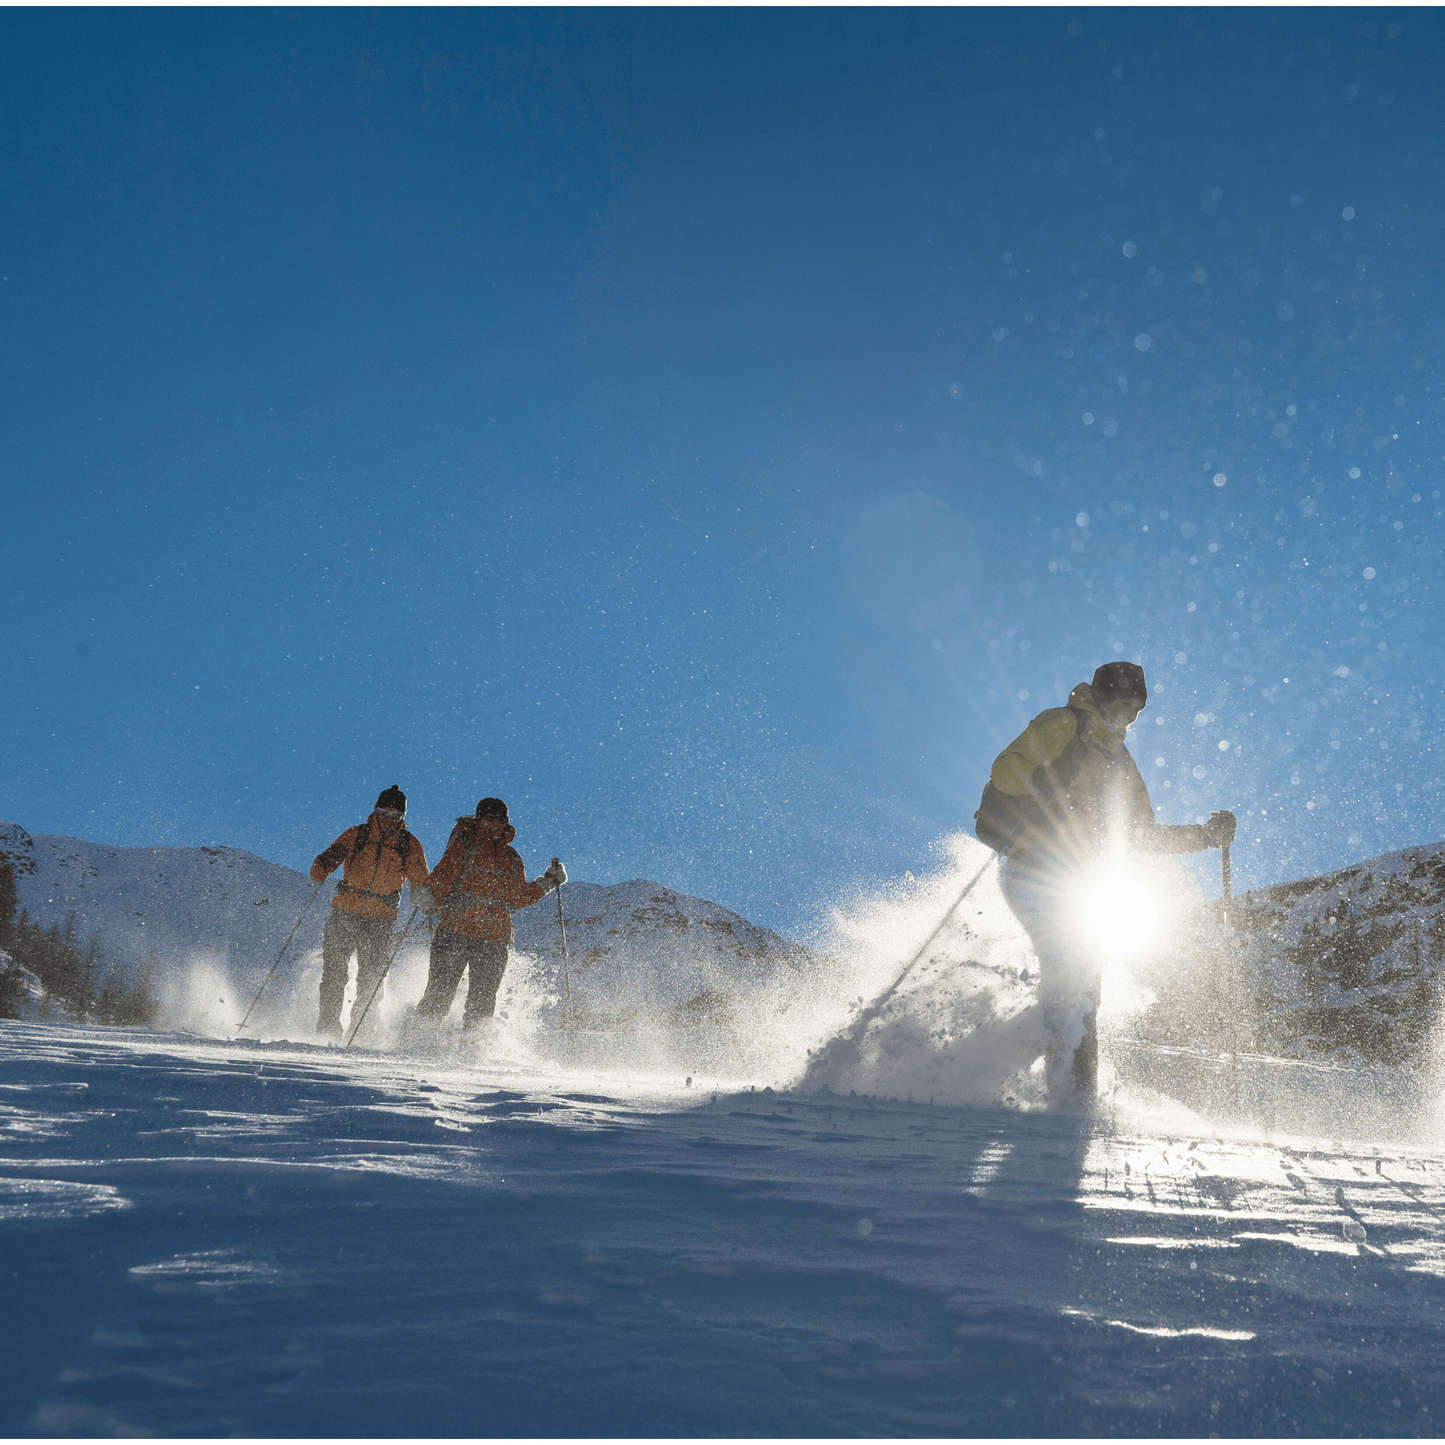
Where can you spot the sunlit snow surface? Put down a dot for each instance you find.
(206, 1236)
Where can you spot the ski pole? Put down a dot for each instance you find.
(357, 1023)
(860, 1024)
(1228, 891)
(275, 965)
(566, 966)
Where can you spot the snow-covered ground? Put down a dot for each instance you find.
(213, 1236)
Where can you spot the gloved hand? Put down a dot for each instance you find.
(556, 875)
(422, 899)
(1220, 829)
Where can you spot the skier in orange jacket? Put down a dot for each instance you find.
(377, 858)
(478, 883)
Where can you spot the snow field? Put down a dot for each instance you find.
(206, 1237)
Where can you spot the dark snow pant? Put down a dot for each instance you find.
(453, 954)
(1070, 977)
(347, 933)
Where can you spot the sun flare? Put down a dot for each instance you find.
(1121, 912)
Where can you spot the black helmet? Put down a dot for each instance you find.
(1116, 680)
(493, 808)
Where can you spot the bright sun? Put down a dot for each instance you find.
(1121, 912)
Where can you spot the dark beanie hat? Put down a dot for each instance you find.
(1115, 680)
(393, 798)
(493, 808)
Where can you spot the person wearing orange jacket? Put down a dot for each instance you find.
(376, 858)
(478, 883)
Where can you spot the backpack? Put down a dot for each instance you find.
(1002, 817)
(401, 844)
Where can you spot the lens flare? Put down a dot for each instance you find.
(1121, 912)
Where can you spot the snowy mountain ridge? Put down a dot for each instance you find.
(635, 943)
(1350, 964)
(221, 903)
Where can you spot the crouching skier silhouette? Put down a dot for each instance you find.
(474, 889)
(1062, 798)
(377, 857)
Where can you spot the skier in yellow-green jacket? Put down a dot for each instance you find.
(1061, 797)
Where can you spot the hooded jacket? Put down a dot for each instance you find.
(479, 881)
(1073, 791)
(379, 856)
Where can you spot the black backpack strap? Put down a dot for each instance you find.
(1066, 766)
(401, 843)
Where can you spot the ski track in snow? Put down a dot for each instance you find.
(209, 1237)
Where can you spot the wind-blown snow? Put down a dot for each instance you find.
(941, 985)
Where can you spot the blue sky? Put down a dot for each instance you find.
(717, 432)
